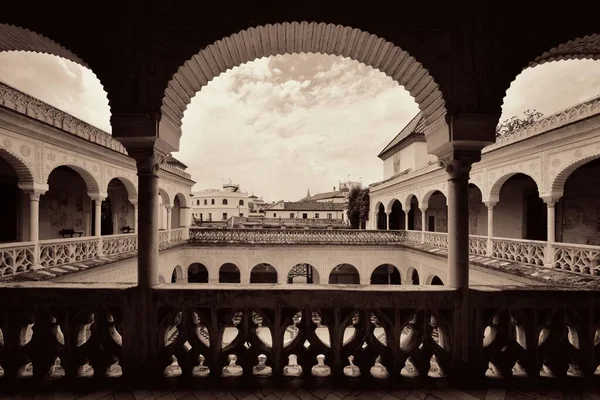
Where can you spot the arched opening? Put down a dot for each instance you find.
(436, 280)
(381, 217)
(163, 214)
(176, 212)
(117, 210)
(397, 217)
(229, 273)
(263, 273)
(14, 204)
(303, 273)
(520, 212)
(477, 212)
(66, 206)
(177, 275)
(436, 217)
(413, 275)
(197, 273)
(578, 211)
(344, 274)
(241, 202)
(386, 274)
(414, 215)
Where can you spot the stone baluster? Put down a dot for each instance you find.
(34, 190)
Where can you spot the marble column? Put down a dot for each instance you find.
(34, 191)
(97, 215)
(458, 166)
(135, 216)
(490, 226)
(168, 207)
(551, 221)
(423, 223)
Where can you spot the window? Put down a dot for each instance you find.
(329, 215)
(241, 202)
(224, 202)
(291, 215)
(212, 201)
(198, 202)
(205, 202)
(200, 216)
(304, 215)
(241, 214)
(274, 215)
(210, 216)
(316, 215)
(224, 216)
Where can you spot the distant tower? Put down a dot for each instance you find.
(308, 194)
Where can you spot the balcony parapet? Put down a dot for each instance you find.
(81, 335)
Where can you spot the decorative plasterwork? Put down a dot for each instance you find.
(21, 155)
(496, 177)
(562, 164)
(585, 48)
(90, 171)
(18, 101)
(296, 38)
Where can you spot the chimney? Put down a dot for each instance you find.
(334, 188)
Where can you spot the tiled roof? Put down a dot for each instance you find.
(172, 160)
(312, 205)
(327, 195)
(413, 128)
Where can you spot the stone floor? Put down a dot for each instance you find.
(322, 394)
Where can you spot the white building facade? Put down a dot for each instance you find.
(219, 204)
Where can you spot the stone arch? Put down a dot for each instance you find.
(344, 273)
(23, 171)
(177, 274)
(382, 275)
(302, 37)
(434, 280)
(130, 186)
(166, 199)
(412, 276)
(161, 279)
(583, 48)
(315, 271)
(229, 273)
(264, 273)
(408, 200)
(390, 204)
(183, 199)
(496, 186)
(16, 38)
(557, 186)
(91, 183)
(424, 201)
(197, 273)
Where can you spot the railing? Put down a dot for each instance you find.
(55, 252)
(577, 258)
(163, 238)
(218, 337)
(414, 236)
(437, 239)
(530, 252)
(176, 235)
(16, 258)
(478, 245)
(301, 236)
(116, 244)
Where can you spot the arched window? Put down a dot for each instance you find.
(198, 202)
(241, 202)
(224, 202)
(212, 201)
(205, 202)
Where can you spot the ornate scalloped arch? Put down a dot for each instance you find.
(132, 193)
(427, 195)
(496, 186)
(408, 199)
(91, 183)
(558, 183)
(390, 204)
(583, 48)
(16, 38)
(295, 38)
(23, 171)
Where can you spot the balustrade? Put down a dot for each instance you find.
(84, 334)
(529, 252)
(16, 258)
(577, 258)
(437, 239)
(116, 244)
(478, 245)
(57, 252)
(414, 236)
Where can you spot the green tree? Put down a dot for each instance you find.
(515, 123)
(358, 207)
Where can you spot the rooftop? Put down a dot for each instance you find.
(413, 129)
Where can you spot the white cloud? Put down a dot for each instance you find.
(282, 125)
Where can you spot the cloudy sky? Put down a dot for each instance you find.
(280, 125)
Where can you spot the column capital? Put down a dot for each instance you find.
(169, 207)
(34, 190)
(151, 129)
(550, 200)
(458, 162)
(134, 202)
(148, 159)
(423, 209)
(490, 204)
(98, 196)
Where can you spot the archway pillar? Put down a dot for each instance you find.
(169, 208)
(185, 217)
(490, 226)
(34, 190)
(423, 223)
(458, 145)
(134, 203)
(148, 140)
(98, 198)
(551, 215)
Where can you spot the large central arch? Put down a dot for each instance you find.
(295, 38)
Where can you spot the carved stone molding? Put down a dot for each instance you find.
(458, 164)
